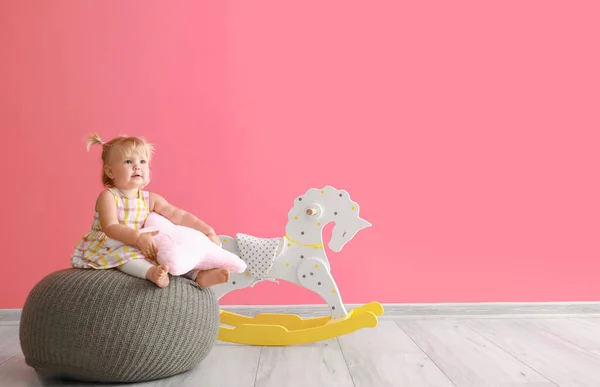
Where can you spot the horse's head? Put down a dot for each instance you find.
(344, 231)
(318, 207)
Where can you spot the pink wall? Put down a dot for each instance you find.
(468, 133)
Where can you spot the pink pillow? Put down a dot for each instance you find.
(184, 248)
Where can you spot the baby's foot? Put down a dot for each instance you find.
(208, 278)
(159, 275)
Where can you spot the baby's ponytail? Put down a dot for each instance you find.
(93, 139)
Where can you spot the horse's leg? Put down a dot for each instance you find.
(236, 280)
(313, 274)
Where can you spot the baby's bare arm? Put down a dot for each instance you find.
(178, 216)
(107, 210)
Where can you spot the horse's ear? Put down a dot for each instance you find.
(363, 223)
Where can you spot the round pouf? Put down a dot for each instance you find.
(107, 326)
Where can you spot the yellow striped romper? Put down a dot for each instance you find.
(92, 251)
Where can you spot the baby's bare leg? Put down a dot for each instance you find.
(208, 278)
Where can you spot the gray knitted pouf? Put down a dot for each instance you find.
(106, 326)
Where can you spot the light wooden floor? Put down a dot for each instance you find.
(441, 352)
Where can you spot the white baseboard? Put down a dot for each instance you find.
(415, 311)
(9, 316)
(446, 310)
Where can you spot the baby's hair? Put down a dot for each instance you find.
(122, 144)
(93, 139)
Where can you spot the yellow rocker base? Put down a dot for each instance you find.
(271, 329)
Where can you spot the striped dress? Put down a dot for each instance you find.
(96, 250)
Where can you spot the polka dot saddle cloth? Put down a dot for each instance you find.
(258, 253)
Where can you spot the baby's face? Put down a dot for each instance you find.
(130, 170)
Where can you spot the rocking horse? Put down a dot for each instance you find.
(298, 257)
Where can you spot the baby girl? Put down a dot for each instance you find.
(121, 211)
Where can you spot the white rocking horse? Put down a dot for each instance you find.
(298, 257)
